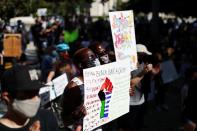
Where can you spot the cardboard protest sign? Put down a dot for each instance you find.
(45, 94)
(53, 89)
(106, 93)
(169, 73)
(12, 45)
(123, 33)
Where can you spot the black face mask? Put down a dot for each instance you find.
(93, 63)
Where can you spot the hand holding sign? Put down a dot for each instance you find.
(35, 126)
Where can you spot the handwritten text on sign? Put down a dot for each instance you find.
(123, 33)
(106, 93)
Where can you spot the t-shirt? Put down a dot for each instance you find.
(47, 120)
(138, 97)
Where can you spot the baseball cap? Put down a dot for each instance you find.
(20, 78)
(142, 49)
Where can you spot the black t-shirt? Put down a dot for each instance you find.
(47, 120)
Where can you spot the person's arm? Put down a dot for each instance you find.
(135, 81)
(50, 76)
(147, 68)
(137, 76)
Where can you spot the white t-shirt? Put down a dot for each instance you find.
(136, 100)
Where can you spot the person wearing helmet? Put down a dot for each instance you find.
(133, 120)
(63, 55)
(62, 49)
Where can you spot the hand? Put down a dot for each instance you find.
(79, 128)
(35, 126)
(148, 68)
(131, 91)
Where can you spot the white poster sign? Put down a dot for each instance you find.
(53, 89)
(106, 93)
(123, 33)
(42, 12)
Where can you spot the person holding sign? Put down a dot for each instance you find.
(133, 120)
(73, 97)
(104, 58)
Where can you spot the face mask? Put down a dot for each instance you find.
(54, 54)
(64, 56)
(93, 63)
(105, 59)
(97, 62)
(26, 108)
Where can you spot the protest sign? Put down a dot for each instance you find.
(169, 73)
(53, 89)
(12, 45)
(45, 94)
(42, 12)
(106, 93)
(123, 33)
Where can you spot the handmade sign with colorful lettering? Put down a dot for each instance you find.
(106, 93)
(123, 33)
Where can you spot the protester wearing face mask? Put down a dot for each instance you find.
(103, 56)
(134, 119)
(73, 97)
(101, 53)
(20, 91)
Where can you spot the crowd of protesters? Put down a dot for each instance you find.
(66, 46)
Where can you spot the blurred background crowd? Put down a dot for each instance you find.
(49, 41)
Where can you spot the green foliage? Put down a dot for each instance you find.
(13, 8)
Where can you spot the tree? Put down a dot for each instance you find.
(13, 8)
